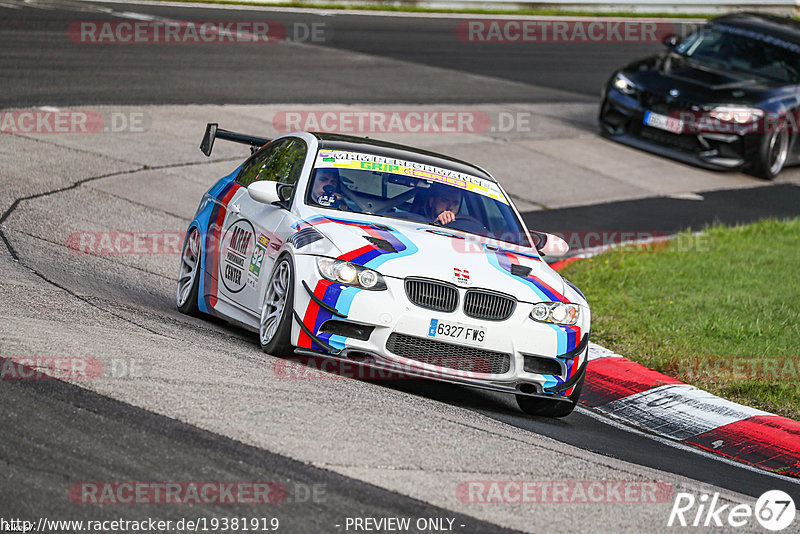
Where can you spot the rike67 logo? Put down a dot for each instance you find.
(774, 510)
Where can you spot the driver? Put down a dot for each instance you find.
(441, 204)
(325, 190)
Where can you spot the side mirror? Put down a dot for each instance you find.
(264, 191)
(549, 245)
(671, 41)
(285, 191)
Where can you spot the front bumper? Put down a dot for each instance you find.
(391, 334)
(622, 119)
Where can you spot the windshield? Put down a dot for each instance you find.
(744, 50)
(399, 189)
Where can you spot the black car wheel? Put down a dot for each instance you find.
(189, 276)
(772, 154)
(275, 326)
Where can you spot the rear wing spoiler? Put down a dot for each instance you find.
(213, 132)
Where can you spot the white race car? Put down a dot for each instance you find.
(388, 257)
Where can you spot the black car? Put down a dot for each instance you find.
(725, 97)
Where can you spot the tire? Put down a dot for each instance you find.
(772, 154)
(277, 308)
(188, 276)
(548, 408)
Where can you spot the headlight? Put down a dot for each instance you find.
(556, 312)
(736, 114)
(623, 84)
(350, 274)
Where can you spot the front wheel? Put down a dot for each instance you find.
(275, 326)
(188, 276)
(548, 408)
(772, 154)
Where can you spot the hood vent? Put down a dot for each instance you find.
(520, 270)
(382, 244)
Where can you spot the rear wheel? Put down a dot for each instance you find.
(275, 326)
(188, 277)
(772, 154)
(548, 408)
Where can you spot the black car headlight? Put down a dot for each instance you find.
(561, 313)
(350, 274)
(623, 84)
(736, 114)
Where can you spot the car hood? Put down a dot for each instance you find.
(698, 83)
(403, 249)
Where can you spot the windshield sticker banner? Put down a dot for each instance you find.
(340, 159)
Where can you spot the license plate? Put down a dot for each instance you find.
(463, 333)
(663, 122)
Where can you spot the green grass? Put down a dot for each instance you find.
(410, 8)
(720, 310)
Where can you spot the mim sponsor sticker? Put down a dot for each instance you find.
(237, 247)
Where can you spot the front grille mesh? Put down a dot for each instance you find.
(432, 295)
(447, 355)
(661, 104)
(684, 142)
(490, 306)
